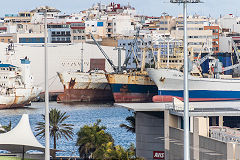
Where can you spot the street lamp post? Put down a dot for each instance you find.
(186, 92)
(47, 143)
(45, 10)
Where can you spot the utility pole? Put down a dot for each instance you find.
(186, 91)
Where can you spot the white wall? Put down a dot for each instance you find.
(123, 24)
(58, 53)
(230, 22)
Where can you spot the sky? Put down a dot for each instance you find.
(144, 7)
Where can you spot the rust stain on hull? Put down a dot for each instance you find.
(85, 95)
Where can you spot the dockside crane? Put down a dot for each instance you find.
(115, 68)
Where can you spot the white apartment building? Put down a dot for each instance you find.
(91, 26)
(38, 17)
(230, 22)
(119, 25)
(75, 17)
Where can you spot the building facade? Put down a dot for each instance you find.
(215, 37)
(199, 40)
(77, 32)
(59, 33)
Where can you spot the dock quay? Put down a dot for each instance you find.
(159, 130)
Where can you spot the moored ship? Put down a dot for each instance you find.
(132, 87)
(84, 87)
(16, 85)
(170, 84)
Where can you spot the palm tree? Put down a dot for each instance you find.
(91, 138)
(4, 129)
(109, 151)
(58, 128)
(132, 123)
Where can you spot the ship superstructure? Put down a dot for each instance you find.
(16, 85)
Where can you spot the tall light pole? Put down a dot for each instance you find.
(186, 92)
(45, 10)
(82, 58)
(47, 143)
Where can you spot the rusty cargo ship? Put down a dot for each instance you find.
(89, 86)
(84, 87)
(132, 87)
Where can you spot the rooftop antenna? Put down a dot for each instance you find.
(186, 92)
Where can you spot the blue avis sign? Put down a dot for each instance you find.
(158, 155)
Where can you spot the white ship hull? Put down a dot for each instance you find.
(21, 97)
(170, 83)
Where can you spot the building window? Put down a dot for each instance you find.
(58, 32)
(75, 38)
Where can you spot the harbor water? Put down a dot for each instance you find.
(80, 115)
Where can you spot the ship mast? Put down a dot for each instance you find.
(82, 58)
(9, 53)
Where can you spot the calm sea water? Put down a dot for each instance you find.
(80, 115)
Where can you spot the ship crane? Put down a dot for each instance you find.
(238, 58)
(236, 50)
(231, 67)
(219, 65)
(199, 62)
(104, 54)
(132, 47)
(202, 60)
